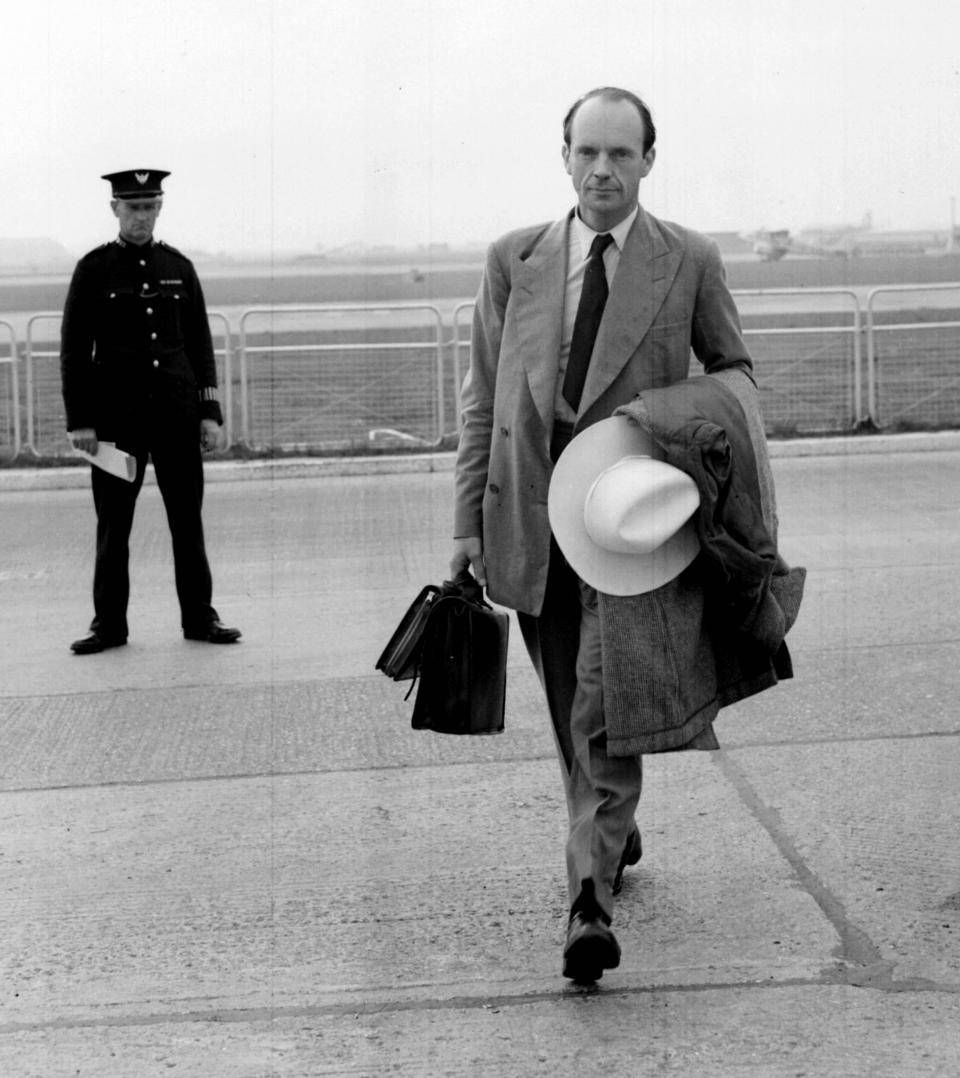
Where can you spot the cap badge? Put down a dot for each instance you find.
(142, 177)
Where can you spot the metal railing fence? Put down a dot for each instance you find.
(459, 346)
(46, 429)
(916, 358)
(224, 358)
(10, 405)
(810, 376)
(344, 377)
(321, 376)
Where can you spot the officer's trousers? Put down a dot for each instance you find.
(178, 465)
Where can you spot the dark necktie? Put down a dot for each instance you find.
(589, 312)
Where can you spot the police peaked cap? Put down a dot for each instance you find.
(137, 182)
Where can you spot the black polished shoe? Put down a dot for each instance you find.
(95, 642)
(213, 633)
(591, 948)
(632, 853)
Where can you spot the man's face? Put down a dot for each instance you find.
(606, 161)
(137, 218)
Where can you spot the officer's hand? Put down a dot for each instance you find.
(468, 554)
(211, 435)
(84, 438)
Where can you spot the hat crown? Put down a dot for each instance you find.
(137, 182)
(612, 475)
(637, 504)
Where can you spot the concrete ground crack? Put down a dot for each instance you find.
(856, 948)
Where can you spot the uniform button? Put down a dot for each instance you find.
(504, 431)
(149, 310)
(156, 362)
(146, 285)
(142, 263)
(176, 295)
(494, 489)
(113, 295)
(153, 336)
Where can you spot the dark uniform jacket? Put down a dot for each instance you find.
(135, 343)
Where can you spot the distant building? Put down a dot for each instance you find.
(732, 243)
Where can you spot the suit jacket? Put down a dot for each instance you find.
(668, 296)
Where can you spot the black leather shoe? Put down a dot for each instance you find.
(591, 948)
(95, 642)
(632, 853)
(213, 633)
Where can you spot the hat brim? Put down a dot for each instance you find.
(592, 451)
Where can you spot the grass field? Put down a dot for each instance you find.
(354, 283)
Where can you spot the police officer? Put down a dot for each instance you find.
(138, 369)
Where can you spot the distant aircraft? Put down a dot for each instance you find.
(845, 241)
(770, 244)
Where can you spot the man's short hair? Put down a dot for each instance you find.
(614, 93)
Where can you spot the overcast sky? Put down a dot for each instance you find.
(305, 123)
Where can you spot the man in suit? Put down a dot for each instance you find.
(572, 321)
(138, 370)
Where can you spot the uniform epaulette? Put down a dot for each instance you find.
(166, 246)
(97, 251)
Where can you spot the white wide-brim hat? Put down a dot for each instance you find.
(622, 516)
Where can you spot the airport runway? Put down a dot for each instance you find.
(242, 861)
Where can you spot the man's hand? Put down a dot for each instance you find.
(468, 554)
(84, 438)
(211, 436)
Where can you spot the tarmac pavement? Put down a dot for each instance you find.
(241, 861)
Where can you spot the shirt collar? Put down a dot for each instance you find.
(585, 233)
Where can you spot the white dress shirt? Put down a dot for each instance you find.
(579, 240)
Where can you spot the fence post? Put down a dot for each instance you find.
(244, 398)
(860, 420)
(441, 388)
(14, 384)
(227, 375)
(30, 355)
(457, 346)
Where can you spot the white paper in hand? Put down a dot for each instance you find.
(112, 460)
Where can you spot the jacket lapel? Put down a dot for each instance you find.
(647, 269)
(539, 282)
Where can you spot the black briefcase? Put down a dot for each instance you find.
(463, 663)
(400, 659)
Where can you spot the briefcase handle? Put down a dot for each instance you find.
(465, 585)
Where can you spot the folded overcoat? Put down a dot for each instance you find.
(674, 656)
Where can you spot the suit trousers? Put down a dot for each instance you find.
(178, 465)
(602, 791)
